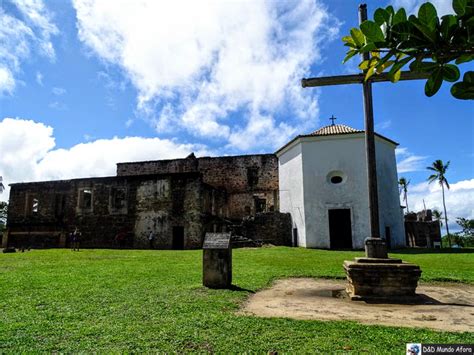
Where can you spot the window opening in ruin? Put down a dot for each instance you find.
(178, 201)
(59, 205)
(85, 199)
(260, 205)
(34, 205)
(252, 176)
(117, 198)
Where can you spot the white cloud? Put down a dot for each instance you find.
(383, 125)
(216, 69)
(31, 31)
(39, 78)
(408, 162)
(443, 7)
(29, 154)
(56, 105)
(459, 199)
(58, 91)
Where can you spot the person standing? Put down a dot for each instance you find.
(151, 239)
(76, 239)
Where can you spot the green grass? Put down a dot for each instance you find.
(135, 301)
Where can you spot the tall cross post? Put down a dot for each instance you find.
(374, 246)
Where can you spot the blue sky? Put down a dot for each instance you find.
(84, 85)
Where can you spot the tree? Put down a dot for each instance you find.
(2, 187)
(404, 188)
(467, 225)
(439, 175)
(438, 215)
(427, 43)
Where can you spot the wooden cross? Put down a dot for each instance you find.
(369, 132)
(332, 118)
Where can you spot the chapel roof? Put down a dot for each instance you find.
(332, 130)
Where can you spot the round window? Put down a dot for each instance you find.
(336, 177)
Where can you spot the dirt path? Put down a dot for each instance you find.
(448, 307)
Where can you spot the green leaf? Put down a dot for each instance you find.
(427, 15)
(396, 76)
(369, 73)
(395, 71)
(368, 47)
(400, 16)
(424, 29)
(349, 55)
(459, 6)
(381, 16)
(372, 31)
(390, 10)
(358, 37)
(448, 24)
(349, 41)
(468, 77)
(382, 66)
(420, 66)
(465, 58)
(434, 82)
(364, 65)
(451, 73)
(463, 91)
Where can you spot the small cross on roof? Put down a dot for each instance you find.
(332, 118)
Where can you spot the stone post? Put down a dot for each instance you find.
(217, 261)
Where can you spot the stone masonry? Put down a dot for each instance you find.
(177, 200)
(250, 181)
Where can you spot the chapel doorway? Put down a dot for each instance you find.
(178, 238)
(340, 232)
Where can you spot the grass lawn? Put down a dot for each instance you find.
(140, 300)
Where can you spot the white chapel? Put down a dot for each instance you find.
(323, 185)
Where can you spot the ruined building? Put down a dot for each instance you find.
(178, 200)
(318, 181)
(422, 231)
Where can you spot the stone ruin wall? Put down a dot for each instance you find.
(421, 230)
(228, 173)
(158, 202)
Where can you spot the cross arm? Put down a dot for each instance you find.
(358, 79)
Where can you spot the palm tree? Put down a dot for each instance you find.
(438, 215)
(404, 188)
(439, 175)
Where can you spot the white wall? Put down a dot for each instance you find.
(290, 171)
(322, 155)
(390, 213)
(308, 163)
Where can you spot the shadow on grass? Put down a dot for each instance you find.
(433, 251)
(240, 289)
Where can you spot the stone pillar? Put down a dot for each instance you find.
(376, 248)
(217, 261)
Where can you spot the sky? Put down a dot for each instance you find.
(87, 84)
